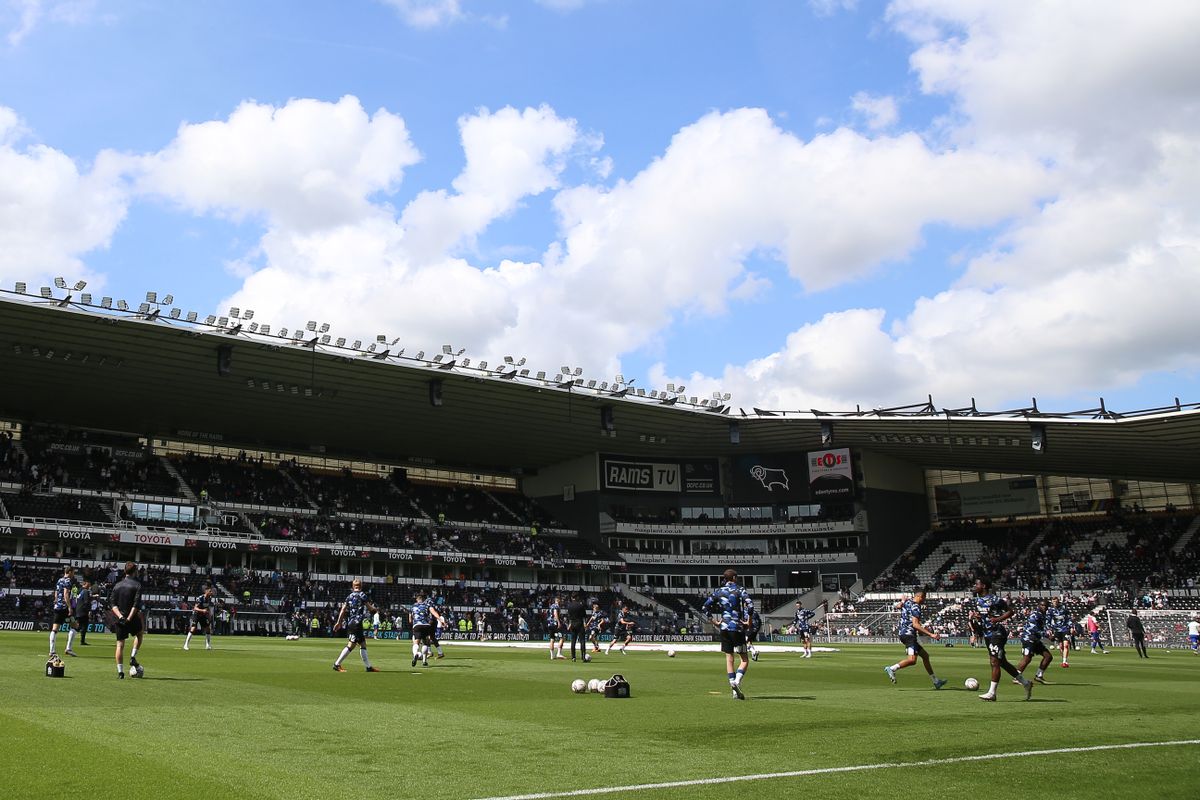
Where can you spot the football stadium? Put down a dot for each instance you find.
(349, 558)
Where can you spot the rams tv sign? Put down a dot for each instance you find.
(829, 475)
(696, 476)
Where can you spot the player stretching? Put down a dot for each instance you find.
(125, 605)
(555, 626)
(801, 627)
(1060, 624)
(421, 617)
(595, 626)
(624, 629)
(993, 612)
(734, 605)
(1031, 641)
(353, 611)
(201, 619)
(62, 609)
(908, 628)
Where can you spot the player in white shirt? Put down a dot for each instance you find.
(1194, 634)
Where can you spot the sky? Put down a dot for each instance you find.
(804, 203)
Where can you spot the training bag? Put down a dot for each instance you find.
(616, 686)
(55, 669)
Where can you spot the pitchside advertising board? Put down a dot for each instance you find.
(830, 476)
(685, 476)
(1006, 497)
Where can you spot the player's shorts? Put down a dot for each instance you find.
(422, 632)
(995, 644)
(1195, 640)
(1029, 648)
(200, 623)
(125, 628)
(912, 644)
(733, 642)
(60, 616)
(752, 634)
(804, 633)
(1060, 637)
(355, 633)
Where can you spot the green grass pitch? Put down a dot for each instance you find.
(269, 718)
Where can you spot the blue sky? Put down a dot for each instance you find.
(808, 204)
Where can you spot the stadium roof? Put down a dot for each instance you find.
(143, 372)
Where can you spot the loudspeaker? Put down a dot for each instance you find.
(435, 392)
(607, 423)
(224, 359)
(1037, 438)
(735, 433)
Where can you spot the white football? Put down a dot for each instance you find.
(591, 685)
(971, 684)
(578, 686)
(670, 654)
(587, 657)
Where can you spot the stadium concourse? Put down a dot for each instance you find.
(278, 467)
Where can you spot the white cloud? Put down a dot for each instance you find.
(306, 165)
(880, 112)
(53, 212)
(510, 154)
(827, 8)
(428, 13)
(22, 17)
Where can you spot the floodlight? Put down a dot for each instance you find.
(283, 332)
(168, 300)
(483, 365)
(248, 313)
(106, 302)
(86, 298)
(466, 362)
(564, 370)
(324, 328)
(122, 305)
(254, 327)
(45, 292)
(20, 287)
(508, 359)
(447, 349)
(60, 283)
(381, 338)
(151, 297)
(524, 373)
(357, 345)
(341, 342)
(144, 308)
(420, 355)
(211, 319)
(541, 376)
(174, 313)
(325, 339)
(222, 322)
(235, 312)
(80, 285)
(265, 330)
(311, 325)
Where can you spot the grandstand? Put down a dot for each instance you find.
(281, 468)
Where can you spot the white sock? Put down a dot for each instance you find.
(933, 677)
(894, 667)
(133, 654)
(439, 650)
(188, 640)
(70, 639)
(362, 651)
(1040, 673)
(992, 689)
(120, 669)
(342, 657)
(53, 639)
(416, 649)
(208, 639)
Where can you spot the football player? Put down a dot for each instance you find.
(353, 611)
(1031, 641)
(201, 619)
(729, 608)
(909, 626)
(994, 611)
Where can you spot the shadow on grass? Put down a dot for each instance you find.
(781, 697)
(169, 678)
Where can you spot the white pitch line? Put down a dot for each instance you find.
(800, 773)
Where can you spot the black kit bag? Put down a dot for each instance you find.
(616, 686)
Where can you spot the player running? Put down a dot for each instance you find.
(421, 617)
(1058, 623)
(801, 627)
(624, 628)
(733, 605)
(1031, 641)
(595, 626)
(353, 611)
(907, 629)
(62, 609)
(993, 612)
(201, 619)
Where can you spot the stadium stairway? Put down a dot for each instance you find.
(300, 489)
(184, 489)
(625, 590)
(4, 511)
(1187, 536)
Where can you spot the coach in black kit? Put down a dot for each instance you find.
(576, 611)
(125, 605)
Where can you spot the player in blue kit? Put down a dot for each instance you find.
(801, 627)
(1031, 641)
(421, 617)
(595, 626)
(556, 627)
(753, 632)
(1058, 624)
(909, 626)
(994, 611)
(353, 612)
(202, 619)
(62, 607)
(729, 608)
(624, 628)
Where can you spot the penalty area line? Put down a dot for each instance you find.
(800, 773)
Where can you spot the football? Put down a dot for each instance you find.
(971, 684)
(670, 654)
(587, 657)
(578, 686)
(593, 685)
